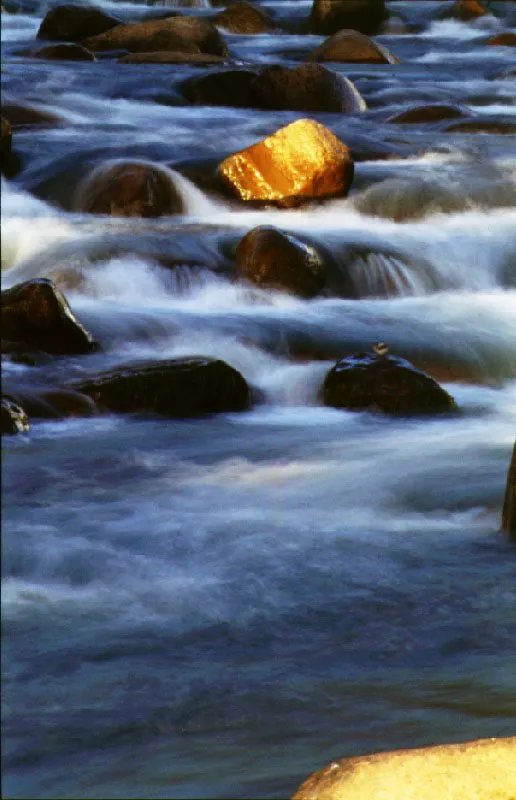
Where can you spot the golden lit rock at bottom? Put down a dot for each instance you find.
(302, 160)
(481, 770)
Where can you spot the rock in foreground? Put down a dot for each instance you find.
(509, 503)
(297, 163)
(180, 387)
(372, 382)
(484, 769)
(37, 314)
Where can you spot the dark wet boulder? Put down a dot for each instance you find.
(428, 113)
(13, 417)
(298, 163)
(482, 126)
(231, 87)
(243, 17)
(330, 16)
(176, 34)
(179, 387)
(272, 258)
(37, 314)
(70, 23)
(18, 115)
(465, 10)
(352, 47)
(372, 382)
(51, 402)
(171, 57)
(128, 189)
(506, 39)
(310, 87)
(64, 52)
(6, 138)
(509, 503)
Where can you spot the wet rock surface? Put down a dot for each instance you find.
(310, 87)
(64, 52)
(243, 17)
(69, 23)
(13, 418)
(187, 34)
(330, 16)
(352, 47)
(509, 503)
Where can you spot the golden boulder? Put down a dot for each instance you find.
(301, 161)
(481, 770)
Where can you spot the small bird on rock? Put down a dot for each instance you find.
(380, 348)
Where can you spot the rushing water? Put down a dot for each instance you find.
(218, 607)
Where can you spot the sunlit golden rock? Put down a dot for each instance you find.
(509, 503)
(481, 770)
(301, 161)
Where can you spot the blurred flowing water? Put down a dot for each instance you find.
(218, 607)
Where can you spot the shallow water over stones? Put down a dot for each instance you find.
(218, 607)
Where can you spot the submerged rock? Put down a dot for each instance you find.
(466, 10)
(44, 402)
(129, 189)
(231, 87)
(310, 87)
(509, 503)
(64, 52)
(482, 126)
(429, 113)
(18, 115)
(171, 57)
(352, 47)
(180, 387)
(270, 257)
(330, 16)
(70, 23)
(37, 314)
(175, 34)
(369, 381)
(485, 768)
(406, 199)
(243, 17)
(297, 163)
(13, 418)
(506, 39)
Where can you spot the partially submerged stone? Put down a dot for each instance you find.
(506, 39)
(129, 189)
(309, 87)
(482, 126)
(352, 47)
(245, 18)
(509, 503)
(13, 418)
(372, 382)
(270, 257)
(297, 163)
(70, 23)
(172, 57)
(434, 112)
(64, 52)
(37, 314)
(179, 387)
(18, 114)
(466, 10)
(230, 87)
(175, 34)
(484, 769)
(330, 16)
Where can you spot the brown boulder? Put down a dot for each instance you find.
(330, 16)
(176, 34)
(352, 47)
(171, 57)
(428, 113)
(232, 87)
(71, 23)
(13, 418)
(179, 387)
(392, 385)
(509, 503)
(310, 87)
(270, 257)
(37, 314)
(506, 39)
(128, 189)
(297, 163)
(243, 17)
(481, 770)
(466, 10)
(64, 52)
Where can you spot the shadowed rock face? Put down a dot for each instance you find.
(484, 769)
(232, 87)
(245, 18)
(330, 16)
(70, 23)
(299, 162)
(181, 387)
(37, 314)
(13, 419)
(310, 87)
(64, 52)
(352, 47)
(509, 503)
(6, 137)
(270, 257)
(367, 381)
(176, 34)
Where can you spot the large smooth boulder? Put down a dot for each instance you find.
(179, 387)
(176, 34)
(297, 163)
(270, 257)
(231, 87)
(428, 113)
(172, 57)
(330, 16)
(466, 10)
(128, 189)
(37, 314)
(243, 17)
(484, 769)
(352, 47)
(368, 381)
(509, 503)
(13, 418)
(64, 52)
(71, 23)
(310, 87)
